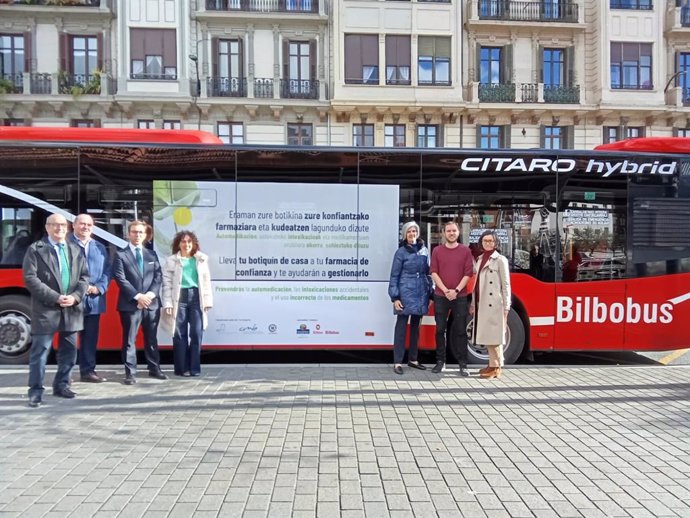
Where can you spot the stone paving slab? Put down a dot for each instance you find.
(352, 441)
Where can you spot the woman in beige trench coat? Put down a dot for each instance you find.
(491, 303)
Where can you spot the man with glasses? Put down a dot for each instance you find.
(451, 270)
(56, 275)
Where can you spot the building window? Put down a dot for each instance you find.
(153, 54)
(146, 124)
(641, 5)
(554, 67)
(615, 133)
(228, 69)
(428, 135)
(631, 66)
(490, 65)
(300, 135)
(83, 55)
(681, 132)
(493, 137)
(394, 135)
(85, 123)
(363, 135)
(14, 122)
(172, 125)
(434, 60)
(557, 137)
(397, 60)
(12, 59)
(683, 74)
(231, 132)
(362, 59)
(299, 70)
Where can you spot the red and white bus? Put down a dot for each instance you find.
(301, 239)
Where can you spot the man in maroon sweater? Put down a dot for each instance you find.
(451, 269)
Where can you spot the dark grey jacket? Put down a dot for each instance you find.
(42, 279)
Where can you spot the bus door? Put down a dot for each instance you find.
(590, 293)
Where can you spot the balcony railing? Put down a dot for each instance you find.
(545, 11)
(78, 84)
(562, 94)
(152, 76)
(41, 84)
(56, 3)
(11, 83)
(497, 93)
(299, 88)
(227, 87)
(685, 16)
(263, 88)
(530, 92)
(264, 6)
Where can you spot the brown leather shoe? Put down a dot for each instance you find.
(485, 369)
(490, 373)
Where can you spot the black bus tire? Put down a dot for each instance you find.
(511, 351)
(15, 329)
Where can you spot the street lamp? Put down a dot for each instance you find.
(195, 95)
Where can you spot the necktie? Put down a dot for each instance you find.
(64, 267)
(140, 260)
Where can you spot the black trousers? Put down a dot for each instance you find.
(458, 331)
(131, 321)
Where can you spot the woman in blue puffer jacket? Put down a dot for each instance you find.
(409, 290)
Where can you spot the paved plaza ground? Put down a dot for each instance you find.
(352, 440)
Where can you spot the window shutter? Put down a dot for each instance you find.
(570, 137)
(97, 123)
(425, 46)
(391, 51)
(99, 51)
(63, 48)
(540, 65)
(240, 58)
(505, 130)
(286, 59)
(507, 62)
(570, 66)
(214, 57)
(27, 52)
(353, 57)
(312, 60)
(169, 48)
(478, 135)
(542, 136)
(442, 47)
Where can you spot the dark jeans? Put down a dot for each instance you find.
(458, 332)
(189, 330)
(66, 357)
(401, 333)
(88, 343)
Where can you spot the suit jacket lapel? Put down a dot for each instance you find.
(133, 261)
(50, 258)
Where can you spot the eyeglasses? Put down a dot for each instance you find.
(61, 225)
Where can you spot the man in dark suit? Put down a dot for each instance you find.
(56, 275)
(138, 274)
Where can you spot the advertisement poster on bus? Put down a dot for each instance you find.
(291, 264)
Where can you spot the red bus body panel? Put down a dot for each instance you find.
(110, 135)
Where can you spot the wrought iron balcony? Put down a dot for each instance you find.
(544, 11)
(11, 83)
(78, 84)
(227, 87)
(685, 16)
(299, 89)
(562, 94)
(496, 93)
(530, 92)
(264, 6)
(263, 88)
(56, 3)
(41, 84)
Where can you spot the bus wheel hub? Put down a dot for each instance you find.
(14, 334)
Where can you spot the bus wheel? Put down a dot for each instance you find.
(515, 342)
(15, 329)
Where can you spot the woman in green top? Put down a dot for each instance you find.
(186, 298)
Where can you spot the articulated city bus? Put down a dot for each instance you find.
(301, 239)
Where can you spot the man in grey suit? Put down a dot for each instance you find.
(137, 272)
(56, 275)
